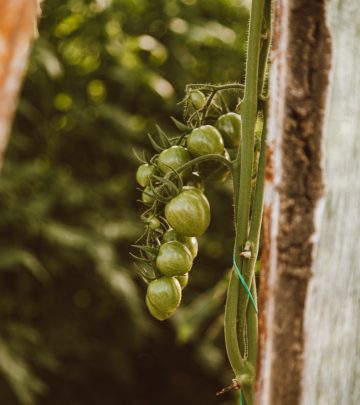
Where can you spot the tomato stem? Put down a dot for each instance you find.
(200, 159)
(265, 46)
(248, 266)
(248, 219)
(213, 89)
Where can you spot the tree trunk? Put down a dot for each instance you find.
(298, 85)
(17, 28)
(332, 317)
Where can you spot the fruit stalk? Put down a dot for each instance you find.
(242, 177)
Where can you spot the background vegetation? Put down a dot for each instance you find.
(74, 327)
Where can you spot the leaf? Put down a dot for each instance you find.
(12, 257)
(191, 319)
(19, 375)
(179, 125)
(154, 144)
(163, 137)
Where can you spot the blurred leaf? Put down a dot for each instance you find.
(26, 386)
(191, 319)
(11, 258)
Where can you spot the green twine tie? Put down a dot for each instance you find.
(238, 272)
(241, 399)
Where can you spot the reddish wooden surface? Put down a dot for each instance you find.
(17, 28)
(300, 63)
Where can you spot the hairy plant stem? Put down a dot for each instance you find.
(200, 159)
(202, 113)
(216, 87)
(247, 313)
(252, 326)
(242, 177)
(265, 45)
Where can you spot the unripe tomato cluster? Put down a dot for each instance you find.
(172, 187)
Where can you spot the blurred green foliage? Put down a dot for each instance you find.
(74, 328)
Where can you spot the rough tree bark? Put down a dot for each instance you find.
(17, 29)
(298, 86)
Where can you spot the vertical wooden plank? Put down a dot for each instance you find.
(332, 317)
(17, 28)
(298, 87)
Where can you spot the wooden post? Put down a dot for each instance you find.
(17, 29)
(332, 317)
(298, 86)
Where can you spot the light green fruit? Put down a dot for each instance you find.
(148, 196)
(143, 174)
(154, 223)
(163, 296)
(188, 213)
(183, 280)
(174, 259)
(173, 158)
(190, 242)
(229, 126)
(157, 313)
(197, 99)
(205, 140)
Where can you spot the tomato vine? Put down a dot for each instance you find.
(213, 143)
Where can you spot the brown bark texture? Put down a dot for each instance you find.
(17, 28)
(299, 74)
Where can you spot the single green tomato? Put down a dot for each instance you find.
(173, 158)
(153, 223)
(148, 196)
(174, 259)
(197, 99)
(143, 174)
(183, 280)
(159, 314)
(205, 140)
(190, 242)
(229, 125)
(188, 213)
(163, 296)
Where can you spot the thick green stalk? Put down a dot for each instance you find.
(248, 267)
(252, 333)
(230, 326)
(242, 176)
(252, 326)
(248, 120)
(265, 46)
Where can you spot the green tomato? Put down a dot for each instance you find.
(148, 196)
(163, 296)
(215, 170)
(197, 99)
(157, 313)
(153, 223)
(188, 213)
(174, 259)
(194, 180)
(190, 242)
(183, 280)
(205, 140)
(173, 158)
(143, 174)
(229, 126)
